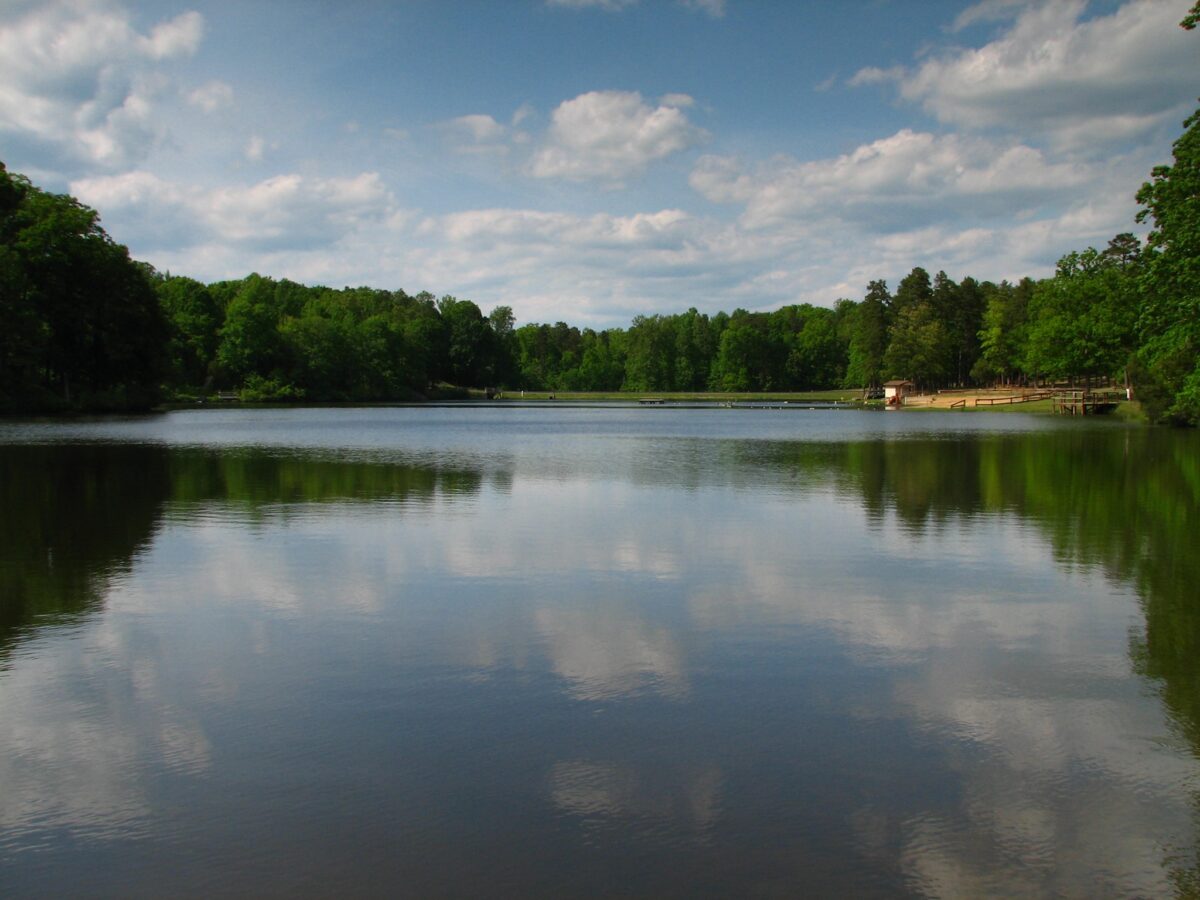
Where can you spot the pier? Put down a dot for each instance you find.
(1086, 403)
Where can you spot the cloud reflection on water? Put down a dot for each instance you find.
(1007, 672)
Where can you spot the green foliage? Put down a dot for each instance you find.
(194, 320)
(250, 339)
(1081, 321)
(472, 350)
(80, 324)
(1192, 19)
(650, 354)
(695, 345)
(960, 308)
(266, 390)
(747, 357)
(914, 289)
(1003, 332)
(1169, 324)
(916, 350)
(816, 357)
(869, 337)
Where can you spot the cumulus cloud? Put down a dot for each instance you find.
(875, 75)
(78, 82)
(590, 269)
(283, 212)
(479, 135)
(478, 127)
(679, 101)
(1078, 80)
(893, 182)
(610, 136)
(179, 36)
(987, 11)
(992, 209)
(211, 96)
(529, 226)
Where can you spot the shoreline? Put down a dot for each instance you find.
(1127, 411)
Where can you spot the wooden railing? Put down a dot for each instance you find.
(1028, 397)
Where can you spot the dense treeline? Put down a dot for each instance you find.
(282, 340)
(84, 326)
(80, 324)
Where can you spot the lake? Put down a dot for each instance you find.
(586, 651)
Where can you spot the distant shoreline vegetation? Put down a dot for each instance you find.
(83, 327)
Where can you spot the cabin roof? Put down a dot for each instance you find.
(896, 383)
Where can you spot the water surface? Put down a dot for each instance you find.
(556, 652)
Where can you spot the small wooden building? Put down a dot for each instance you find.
(894, 392)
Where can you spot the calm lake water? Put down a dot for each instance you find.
(560, 652)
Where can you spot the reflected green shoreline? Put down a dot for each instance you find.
(1123, 501)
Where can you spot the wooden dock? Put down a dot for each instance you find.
(1086, 403)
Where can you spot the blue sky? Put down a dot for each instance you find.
(588, 160)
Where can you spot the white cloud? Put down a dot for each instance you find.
(590, 269)
(679, 101)
(180, 36)
(78, 82)
(1078, 80)
(211, 96)
(254, 148)
(283, 212)
(523, 112)
(481, 135)
(892, 183)
(530, 226)
(988, 11)
(826, 84)
(479, 127)
(875, 75)
(611, 136)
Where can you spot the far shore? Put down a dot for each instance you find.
(969, 400)
(946, 401)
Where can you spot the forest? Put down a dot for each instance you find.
(83, 326)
